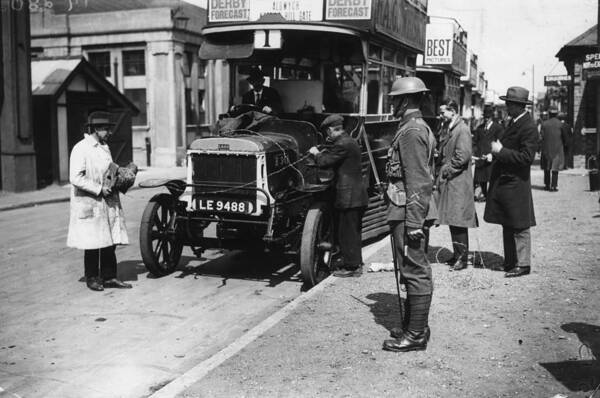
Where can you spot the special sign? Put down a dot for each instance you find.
(348, 9)
(439, 41)
(591, 61)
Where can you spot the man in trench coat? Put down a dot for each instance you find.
(509, 202)
(553, 139)
(351, 198)
(97, 222)
(454, 195)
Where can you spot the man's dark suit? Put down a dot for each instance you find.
(351, 198)
(509, 202)
(268, 97)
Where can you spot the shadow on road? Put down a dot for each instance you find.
(130, 269)
(484, 260)
(385, 309)
(271, 268)
(582, 374)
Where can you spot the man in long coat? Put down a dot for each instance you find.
(454, 195)
(351, 197)
(553, 138)
(489, 130)
(97, 222)
(567, 140)
(509, 202)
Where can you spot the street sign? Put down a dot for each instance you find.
(557, 80)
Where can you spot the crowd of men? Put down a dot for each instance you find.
(430, 182)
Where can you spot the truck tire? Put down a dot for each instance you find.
(316, 245)
(159, 245)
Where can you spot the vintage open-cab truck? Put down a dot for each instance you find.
(255, 182)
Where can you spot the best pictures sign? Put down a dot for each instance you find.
(439, 41)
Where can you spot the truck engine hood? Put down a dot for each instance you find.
(265, 142)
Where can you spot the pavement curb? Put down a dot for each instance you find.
(187, 379)
(47, 201)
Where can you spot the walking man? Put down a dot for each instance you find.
(410, 187)
(351, 197)
(454, 194)
(510, 203)
(553, 157)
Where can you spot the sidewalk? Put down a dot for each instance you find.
(60, 193)
(534, 336)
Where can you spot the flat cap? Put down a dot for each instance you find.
(332, 121)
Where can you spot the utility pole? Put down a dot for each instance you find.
(533, 96)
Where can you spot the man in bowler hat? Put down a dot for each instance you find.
(265, 98)
(509, 201)
(351, 198)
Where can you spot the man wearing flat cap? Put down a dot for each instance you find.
(351, 198)
(509, 201)
(553, 138)
(265, 98)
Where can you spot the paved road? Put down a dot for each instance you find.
(59, 339)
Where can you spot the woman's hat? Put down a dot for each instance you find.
(517, 94)
(99, 118)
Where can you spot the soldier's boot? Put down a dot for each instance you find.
(416, 335)
(397, 332)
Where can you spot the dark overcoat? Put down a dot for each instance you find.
(551, 134)
(482, 145)
(269, 97)
(509, 200)
(344, 156)
(454, 195)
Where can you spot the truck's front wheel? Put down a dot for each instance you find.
(159, 245)
(317, 243)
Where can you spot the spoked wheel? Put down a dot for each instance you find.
(317, 244)
(159, 245)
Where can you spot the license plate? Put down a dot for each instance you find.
(225, 205)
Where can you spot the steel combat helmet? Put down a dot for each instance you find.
(407, 85)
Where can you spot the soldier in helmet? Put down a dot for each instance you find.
(409, 172)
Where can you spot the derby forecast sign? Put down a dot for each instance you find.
(439, 41)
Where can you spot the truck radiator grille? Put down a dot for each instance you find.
(223, 169)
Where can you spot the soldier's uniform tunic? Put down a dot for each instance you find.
(410, 171)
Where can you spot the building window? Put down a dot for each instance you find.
(101, 61)
(138, 97)
(134, 63)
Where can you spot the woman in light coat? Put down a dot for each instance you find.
(97, 222)
(455, 203)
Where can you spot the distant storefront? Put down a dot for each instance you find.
(582, 61)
